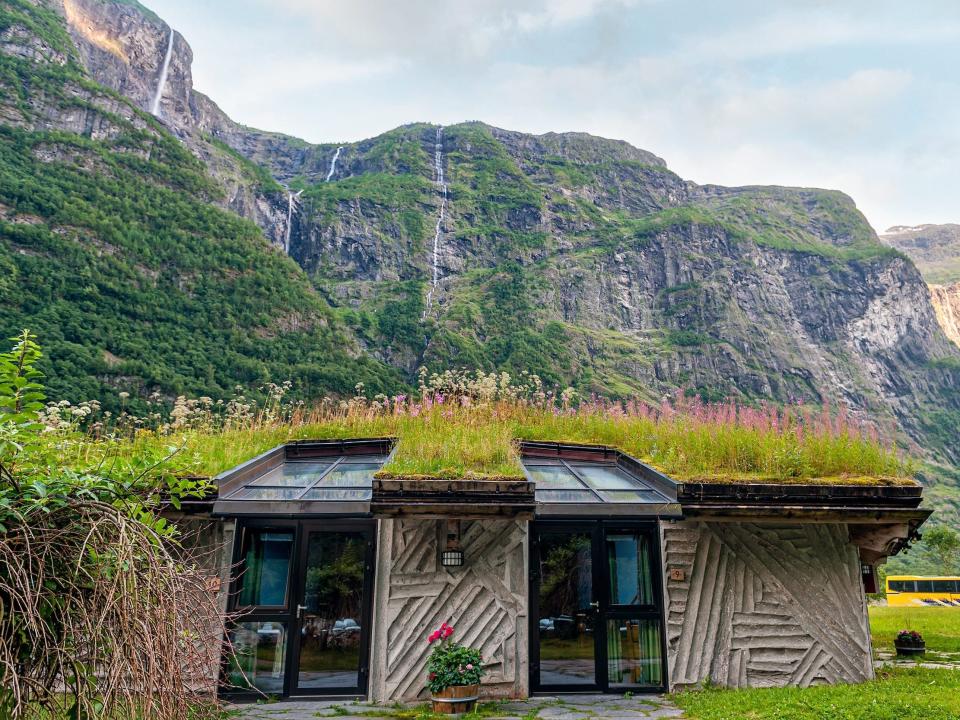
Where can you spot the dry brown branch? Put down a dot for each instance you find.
(99, 613)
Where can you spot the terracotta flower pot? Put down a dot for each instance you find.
(455, 699)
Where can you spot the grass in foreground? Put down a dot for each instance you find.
(896, 694)
(940, 626)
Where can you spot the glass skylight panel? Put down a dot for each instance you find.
(632, 496)
(582, 482)
(294, 474)
(350, 475)
(347, 478)
(557, 477)
(606, 477)
(338, 493)
(566, 496)
(267, 493)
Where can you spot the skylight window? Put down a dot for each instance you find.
(577, 482)
(341, 478)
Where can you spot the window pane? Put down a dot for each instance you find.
(327, 493)
(631, 496)
(605, 477)
(553, 477)
(943, 586)
(293, 474)
(633, 652)
(350, 475)
(264, 493)
(566, 496)
(266, 568)
(259, 651)
(631, 577)
(924, 586)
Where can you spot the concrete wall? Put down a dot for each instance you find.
(764, 605)
(485, 601)
(209, 544)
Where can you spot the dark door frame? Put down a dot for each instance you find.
(601, 594)
(296, 587)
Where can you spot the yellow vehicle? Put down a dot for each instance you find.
(918, 590)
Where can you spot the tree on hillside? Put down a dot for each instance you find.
(944, 544)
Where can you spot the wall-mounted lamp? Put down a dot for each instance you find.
(452, 556)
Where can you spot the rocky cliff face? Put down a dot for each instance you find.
(936, 251)
(124, 46)
(946, 303)
(579, 258)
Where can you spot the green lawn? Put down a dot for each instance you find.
(940, 626)
(906, 693)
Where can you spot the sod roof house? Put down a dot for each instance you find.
(590, 572)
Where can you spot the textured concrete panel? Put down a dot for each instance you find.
(485, 601)
(764, 605)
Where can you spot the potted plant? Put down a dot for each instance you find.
(909, 642)
(454, 673)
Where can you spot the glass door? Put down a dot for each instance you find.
(597, 621)
(332, 612)
(565, 655)
(303, 597)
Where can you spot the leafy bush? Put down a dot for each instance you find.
(99, 617)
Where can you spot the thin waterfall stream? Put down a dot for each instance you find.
(442, 185)
(333, 163)
(291, 206)
(162, 81)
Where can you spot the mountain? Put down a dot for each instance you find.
(216, 254)
(936, 251)
(116, 252)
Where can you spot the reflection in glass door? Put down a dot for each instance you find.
(598, 615)
(331, 611)
(302, 595)
(566, 610)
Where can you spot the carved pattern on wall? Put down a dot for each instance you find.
(486, 601)
(765, 605)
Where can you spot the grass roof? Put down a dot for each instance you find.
(459, 432)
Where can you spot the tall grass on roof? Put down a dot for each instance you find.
(462, 424)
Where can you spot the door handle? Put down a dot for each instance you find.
(300, 609)
(595, 605)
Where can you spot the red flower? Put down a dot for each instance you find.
(434, 636)
(431, 676)
(447, 631)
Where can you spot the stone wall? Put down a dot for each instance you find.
(764, 605)
(485, 601)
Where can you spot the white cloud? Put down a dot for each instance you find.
(808, 29)
(860, 96)
(441, 30)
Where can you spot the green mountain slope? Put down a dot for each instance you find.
(582, 259)
(113, 251)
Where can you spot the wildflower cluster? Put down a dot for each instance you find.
(909, 637)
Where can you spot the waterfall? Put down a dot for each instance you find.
(442, 186)
(161, 83)
(333, 164)
(291, 204)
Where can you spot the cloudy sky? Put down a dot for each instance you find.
(859, 95)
